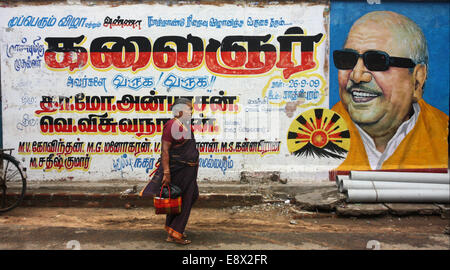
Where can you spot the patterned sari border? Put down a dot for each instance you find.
(173, 233)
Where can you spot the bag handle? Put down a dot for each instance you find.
(160, 194)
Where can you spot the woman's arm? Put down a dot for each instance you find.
(165, 161)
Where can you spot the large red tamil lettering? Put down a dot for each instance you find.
(234, 55)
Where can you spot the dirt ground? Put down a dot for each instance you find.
(263, 218)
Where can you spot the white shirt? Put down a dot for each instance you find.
(377, 158)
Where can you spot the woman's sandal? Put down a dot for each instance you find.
(171, 239)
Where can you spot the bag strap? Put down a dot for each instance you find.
(162, 186)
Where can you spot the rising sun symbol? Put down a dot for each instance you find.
(320, 133)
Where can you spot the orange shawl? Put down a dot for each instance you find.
(424, 147)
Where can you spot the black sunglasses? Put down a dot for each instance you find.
(373, 60)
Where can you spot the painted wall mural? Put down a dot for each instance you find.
(390, 83)
(319, 133)
(86, 90)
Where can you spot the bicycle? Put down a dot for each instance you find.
(13, 181)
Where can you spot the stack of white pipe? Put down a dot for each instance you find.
(376, 186)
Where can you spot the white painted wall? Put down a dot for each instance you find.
(26, 77)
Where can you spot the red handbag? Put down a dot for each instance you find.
(169, 205)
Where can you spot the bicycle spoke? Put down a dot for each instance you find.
(11, 176)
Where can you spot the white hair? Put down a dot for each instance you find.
(179, 105)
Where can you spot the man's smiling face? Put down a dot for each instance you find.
(379, 101)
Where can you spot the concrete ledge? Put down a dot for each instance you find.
(445, 210)
(320, 199)
(405, 209)
(110, 200)
(356, 210)
(309, 199)
(226, 200)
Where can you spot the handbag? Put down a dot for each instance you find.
(169, 205)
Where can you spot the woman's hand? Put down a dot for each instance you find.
(166, 179)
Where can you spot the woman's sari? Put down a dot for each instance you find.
(183, 162)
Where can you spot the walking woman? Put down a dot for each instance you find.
(178, 166)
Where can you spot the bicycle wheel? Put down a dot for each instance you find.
(12, 183)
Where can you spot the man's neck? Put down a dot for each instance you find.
(382, 139)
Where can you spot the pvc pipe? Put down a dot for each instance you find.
(394, 195)
(437, 178)
(355, 184)
(339, 179)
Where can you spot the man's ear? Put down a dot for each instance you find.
(419, 77)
